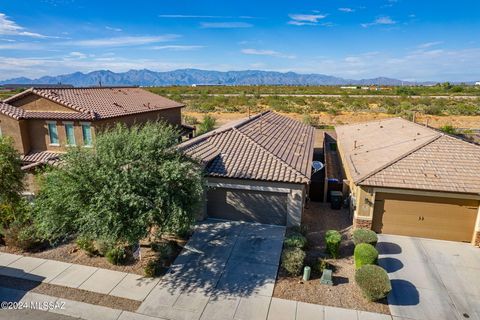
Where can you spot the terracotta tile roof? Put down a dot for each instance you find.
(19, 113)
(397, 153)
(267, 147)
(368, 147)
(103, 102)
(36, 158)
(445, 164)
(11, 111)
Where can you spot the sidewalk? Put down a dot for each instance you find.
(279, 309)
(104, 281)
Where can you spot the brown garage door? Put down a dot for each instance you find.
(427, 217)
(246, 205)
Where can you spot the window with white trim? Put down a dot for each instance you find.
(53, 133)
(87, 134)
(70, 132)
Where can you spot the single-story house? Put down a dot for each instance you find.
(257, 169)
(408, 179)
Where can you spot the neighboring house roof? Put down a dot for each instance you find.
(433, 161)
(11, 111)
(367, 147)
(267, 147)
(36, 158)
(98, 102)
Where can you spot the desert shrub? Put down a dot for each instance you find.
(116, 255)
(321, 264)
(21, 235)
(190, 120)
(364, 254)
(151, 269)
(298, 229)
(293, 260)
(165, 250)
(449, 129)
(373, 281)
(103, 246)
(365, 236)
(207, 124)
(295, 240)
(86, 244)
(332, 240)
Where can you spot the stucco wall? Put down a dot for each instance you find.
(33, 102)
(14, 129)
(172, 116)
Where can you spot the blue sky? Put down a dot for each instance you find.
(406, 39)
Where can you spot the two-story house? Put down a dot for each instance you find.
(44, 122)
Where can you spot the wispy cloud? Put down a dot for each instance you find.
(427, 45)
(195, 16)
(10, 28)
(305, 19)
(123, 41)
(348, 10)
(178, 47)
(225, 25)
(113, 29)
(384, 20)
(271, 53)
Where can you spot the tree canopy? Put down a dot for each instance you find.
(132, 180)
(11, 179)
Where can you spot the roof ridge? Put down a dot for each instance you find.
(269, 153)
(63, 102)
(226, 127)
(49, 97)
(421, 146)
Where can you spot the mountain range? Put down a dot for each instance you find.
(199, 77)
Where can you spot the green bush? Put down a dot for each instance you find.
(373, 281)
(365, 254)
(165, 249)
(86, 244)
(152, 268)
(332, 240)
(103, 246)
(116, 255)
(298, 229)
(295, 240)
(293, 260)
(365, 236)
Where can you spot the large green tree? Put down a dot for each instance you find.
(132, 180)
(11, 180)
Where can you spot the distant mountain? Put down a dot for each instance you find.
(200, 77)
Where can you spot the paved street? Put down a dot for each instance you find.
(431, 279)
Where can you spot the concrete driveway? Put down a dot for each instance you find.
(226, 271)
(431, 279)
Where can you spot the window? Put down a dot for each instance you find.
(87, 134)
(53, 133)
(70, 131)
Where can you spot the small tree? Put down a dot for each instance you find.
(132, 180)
(207, 124)
(11, 180)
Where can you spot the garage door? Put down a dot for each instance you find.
(246, 205)
(427, 217)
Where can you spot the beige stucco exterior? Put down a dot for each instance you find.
(363, 200)
(32, 134)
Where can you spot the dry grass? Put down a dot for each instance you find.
(353, 117)
(318, 218)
